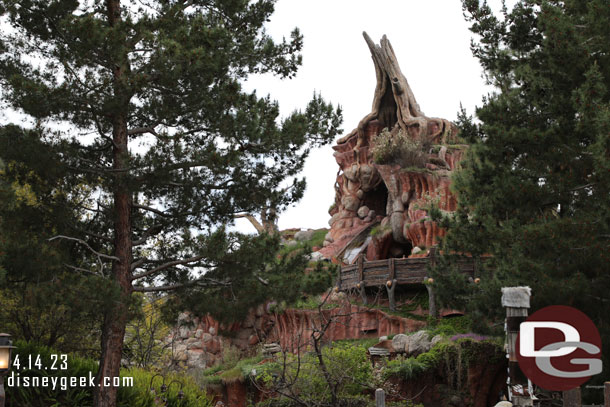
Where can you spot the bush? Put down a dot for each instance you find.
(348, 366)
(451, 358)
(399, 149)
(452, 326)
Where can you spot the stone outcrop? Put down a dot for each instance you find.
(199, 342)
(394, 169)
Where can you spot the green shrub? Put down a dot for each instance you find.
(450, 358)
(451, 326)
(405, 368)
(230, 370)
(348, 366)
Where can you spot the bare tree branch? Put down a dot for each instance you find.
(98, 254)
(202, 282)
(166, 266)
(142, 130)
(151, 209)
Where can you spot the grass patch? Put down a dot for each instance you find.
(305, 247)
(358, 343)
(312, 302)
(379, 230)
(229, 372)
(451, 326)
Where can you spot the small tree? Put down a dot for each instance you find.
(162, 133)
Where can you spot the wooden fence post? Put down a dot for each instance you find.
(379, 398)
(431, 299)
(572, 398)
(516, 300)
(361, 278)
(390, 285)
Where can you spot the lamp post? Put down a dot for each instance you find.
(162, 397)
(6, 347)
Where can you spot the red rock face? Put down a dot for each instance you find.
(292, 329)
(393, 198)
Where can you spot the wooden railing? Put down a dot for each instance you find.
(400, 271)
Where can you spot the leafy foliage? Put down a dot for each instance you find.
(450, 358)
(301, 376)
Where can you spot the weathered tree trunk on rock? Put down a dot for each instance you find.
(394, 103)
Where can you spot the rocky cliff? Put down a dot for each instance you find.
(199, 342)
(394, 173)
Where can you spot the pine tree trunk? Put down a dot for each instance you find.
(115, 317)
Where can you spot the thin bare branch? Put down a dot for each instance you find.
(166, 266)
(98, 254)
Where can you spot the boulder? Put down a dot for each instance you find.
(181, 356)
(316, 256)
(350, 202)
(304, 235)
(436, 340)
(363, 211)
(183, 332)
(399, 342)
(418, 343)
(184, 318)
(196, 359)
(271, 348)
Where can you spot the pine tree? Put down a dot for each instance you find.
(164, 135)
(534, 188)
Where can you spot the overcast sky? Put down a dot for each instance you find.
(432, 43)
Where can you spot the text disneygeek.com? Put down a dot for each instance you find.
(65, 383)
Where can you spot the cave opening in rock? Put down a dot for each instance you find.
(377, 199)
(398, 250)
